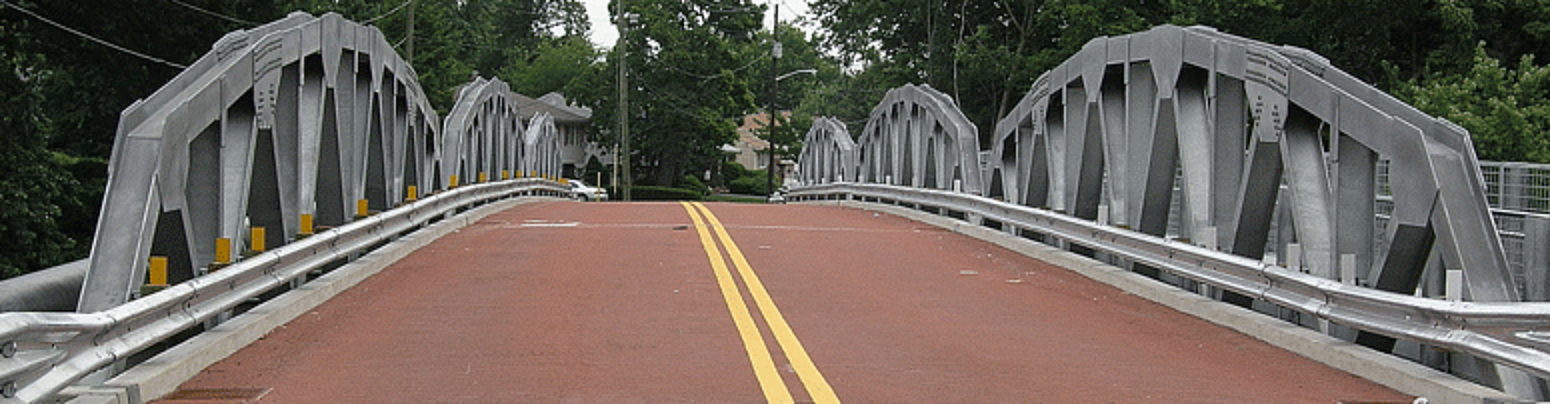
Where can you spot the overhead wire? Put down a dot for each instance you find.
(92, 38)
(215, 14)
(390, 12)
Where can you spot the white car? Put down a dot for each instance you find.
(586, 192)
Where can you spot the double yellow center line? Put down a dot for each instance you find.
(753, 341)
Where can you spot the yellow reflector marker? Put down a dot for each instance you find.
(414, 193)
(452, 182)
(505, 174)
(360, 208)
(483, 177)
(258, 238)
(306, 224)
(157, 273)
(223, 250)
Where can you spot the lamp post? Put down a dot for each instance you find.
(624, 22)
(769, 170)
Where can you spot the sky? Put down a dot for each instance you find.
(604, 33)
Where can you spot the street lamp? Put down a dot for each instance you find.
(769, 169)
(624, 22)
(796, 72)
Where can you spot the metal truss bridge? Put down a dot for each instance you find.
(1175, 215)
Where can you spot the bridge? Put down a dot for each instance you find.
(1173, 215)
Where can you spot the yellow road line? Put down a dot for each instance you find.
(758, 354)
(812, 379)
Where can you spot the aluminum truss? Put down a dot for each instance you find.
(303, 117)
(543, 148)
(1104, 136)
(918, 137)
(828, 154)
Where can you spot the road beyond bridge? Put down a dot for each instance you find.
(588, 302)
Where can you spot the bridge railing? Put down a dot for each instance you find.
(1186, 135)
(1508, 333)
(45, 352)
(310, 127)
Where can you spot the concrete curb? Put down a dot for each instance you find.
(1396, 373)
(162, 374)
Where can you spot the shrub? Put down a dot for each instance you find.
(691, 183)
(753, 184)
(656, 193)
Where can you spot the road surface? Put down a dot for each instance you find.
(671, 302)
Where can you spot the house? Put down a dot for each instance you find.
(752, 152)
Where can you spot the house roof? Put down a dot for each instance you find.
(555, 105)
(748, 132)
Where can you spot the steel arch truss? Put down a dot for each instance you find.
(303, 116)
(828, 153)
(482, 135)
(918, 137)
(542, 144)
(1237, 122)
(1234, 119)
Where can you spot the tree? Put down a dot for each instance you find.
(32, 186)
(552, 66)
(1507, 111)
(684, 84)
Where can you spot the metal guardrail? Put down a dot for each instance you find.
(42, 353)
(1506, 333)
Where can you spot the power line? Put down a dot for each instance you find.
(92, 38)
(390, 12)
(214, 14)
(713, 76)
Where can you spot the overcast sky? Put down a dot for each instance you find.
(604, 33)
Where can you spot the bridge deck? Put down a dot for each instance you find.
(610, 302)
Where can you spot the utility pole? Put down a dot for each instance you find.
(625, 19)
(769, 169)
(409, 50)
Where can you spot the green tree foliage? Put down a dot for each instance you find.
(1507, 111)
(63, 93)
(986, 53)
(552, 67)
(32, 187)
(685, 84)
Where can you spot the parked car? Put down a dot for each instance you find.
(586, 192)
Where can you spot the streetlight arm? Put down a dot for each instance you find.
(796, 72)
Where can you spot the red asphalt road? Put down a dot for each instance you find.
(615, 302)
